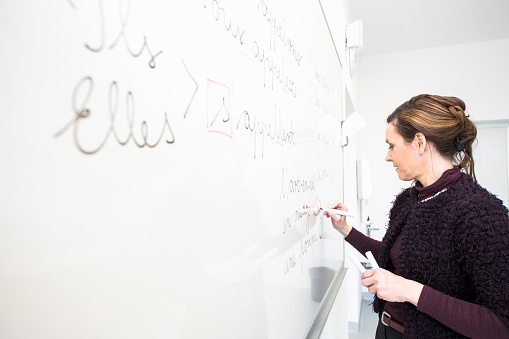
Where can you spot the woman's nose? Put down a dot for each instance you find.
(388, 157)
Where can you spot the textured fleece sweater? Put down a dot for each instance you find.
(457, 245)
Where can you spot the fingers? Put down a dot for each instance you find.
(368, 278)
(372, 279)
(368, 273)
(384, 284)
(336, 217)
(333, 204)
(338, 205)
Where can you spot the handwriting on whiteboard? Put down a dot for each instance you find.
(296, 254)
(277, 32)
(291, 186)
(276, 72)
(219, 12)
(220, 118)
(122, 35)
(82, 111)
(219, 108)
(275, 132)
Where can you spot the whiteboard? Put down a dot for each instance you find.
(155, 157)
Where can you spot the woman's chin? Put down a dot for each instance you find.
(401, 176)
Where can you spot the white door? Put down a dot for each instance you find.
(491, 158)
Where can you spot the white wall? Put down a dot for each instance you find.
(476, 72)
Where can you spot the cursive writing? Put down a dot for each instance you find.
(83, 111)
(278, 33)
(219, 12)
(292, 186)
(274, 70)
(296, 254)
(290, 261)
(121, 36)
(276, 132)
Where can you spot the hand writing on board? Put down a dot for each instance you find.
(338, 221)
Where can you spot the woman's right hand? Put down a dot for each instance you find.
(338, 221)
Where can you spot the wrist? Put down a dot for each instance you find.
(345, 231)
(413, 292)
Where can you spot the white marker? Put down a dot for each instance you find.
(372, 259)
(340, 212)
(356, 262)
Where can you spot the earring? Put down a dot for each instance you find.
(420, 153)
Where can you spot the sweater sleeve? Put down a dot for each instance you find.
(363, 243)
(469, 319)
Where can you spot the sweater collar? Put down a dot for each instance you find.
(448, 178)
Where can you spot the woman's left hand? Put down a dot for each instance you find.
(391, 287)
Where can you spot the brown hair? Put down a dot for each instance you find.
(443, 122)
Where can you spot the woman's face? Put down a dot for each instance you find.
(402, 155)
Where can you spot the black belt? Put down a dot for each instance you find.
(388, 321)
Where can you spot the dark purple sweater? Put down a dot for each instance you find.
(457, 245)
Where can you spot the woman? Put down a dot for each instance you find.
(444, 260)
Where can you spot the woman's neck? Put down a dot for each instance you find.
(448, 178)
(433, 176)
(434, 168)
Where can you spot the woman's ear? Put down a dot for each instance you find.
(420, 141)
